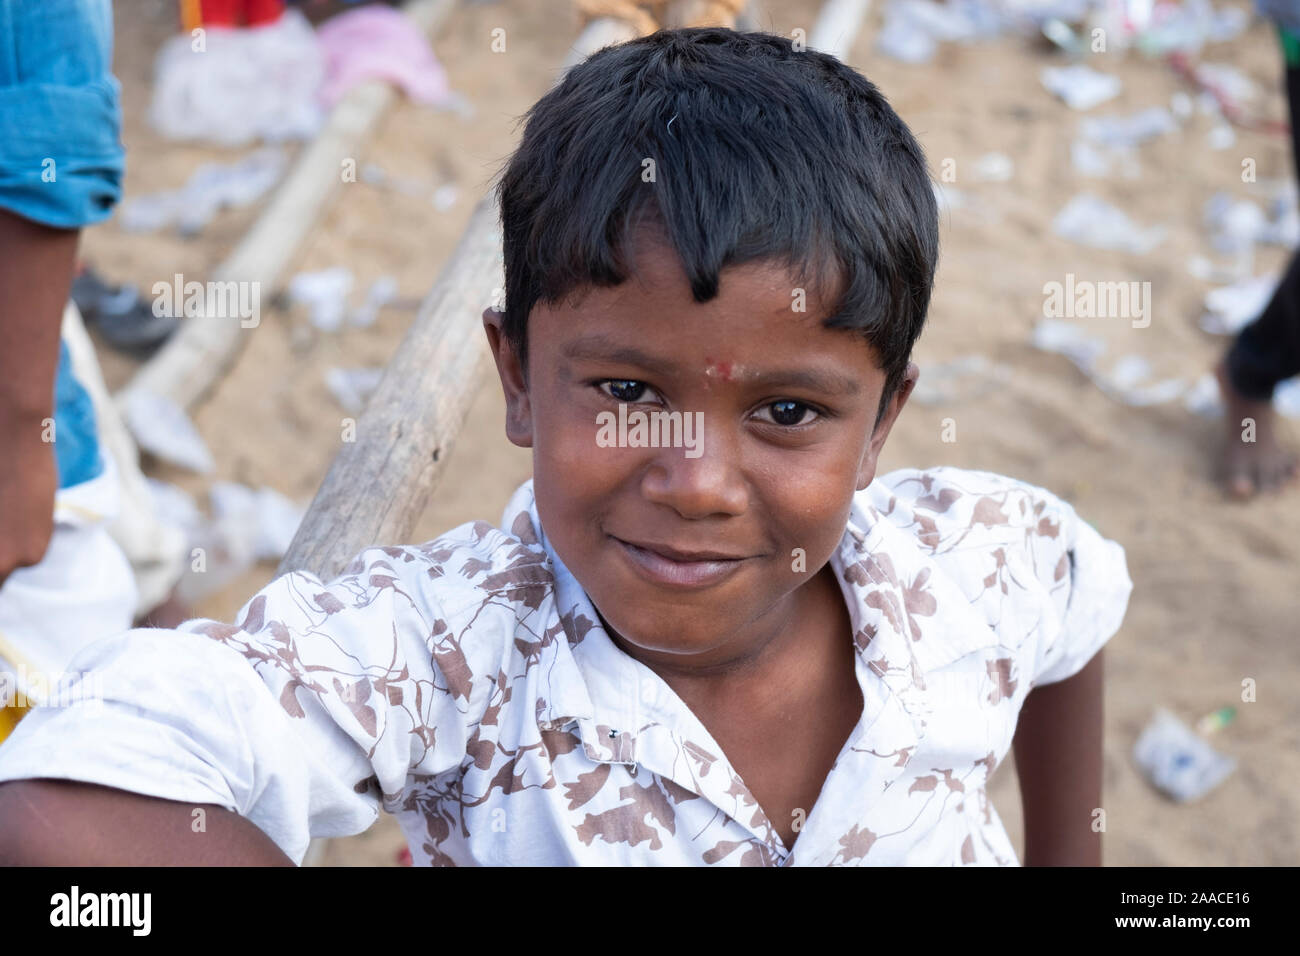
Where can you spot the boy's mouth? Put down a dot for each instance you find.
(677, 568)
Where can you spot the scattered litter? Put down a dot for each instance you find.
(352, 386)
(1060, 33)
(1125, 380)
(1231, 308)
(1089, 159)
(1131, 130)
(1225, 93)
(381, 292)
(1235, 227)
(1080, 87)
(1283, 227)
(175, 506)
(1176, 761)
(913, 29)
(211, 188)
(268, 518)
(1234, 224)
(162, 428)
(1109, 143)
(1182, 105)
(959, 380)
(378, 42)
(994, 168)
(375, 175)
(1286, 398)
(1221, 136)
(246, 526)
(1220, 273)
(325, 293)
(1221, 81)
(444, 197)
(1091, 221)
(1070, 340)
(1187, 26)
(948, 198)
(1204, 397)
(1216, 720)
(240, 85)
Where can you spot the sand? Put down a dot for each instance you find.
(1215, 600)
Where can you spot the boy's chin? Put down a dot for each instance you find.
(674, 631)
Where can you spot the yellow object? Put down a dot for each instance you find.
(191, 15)
(9, 717)
(11, 713)
(647, 16)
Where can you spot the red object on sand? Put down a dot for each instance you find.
(404, 857)
(239, 13)
(257, 12)
(219, 13)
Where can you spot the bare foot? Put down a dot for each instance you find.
(1253, 460)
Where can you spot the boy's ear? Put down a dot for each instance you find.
(519, 415)
(867, 470)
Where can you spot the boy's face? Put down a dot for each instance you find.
(780, 436)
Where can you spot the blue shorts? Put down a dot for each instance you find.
(61, 158)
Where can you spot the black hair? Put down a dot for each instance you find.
(761, 150)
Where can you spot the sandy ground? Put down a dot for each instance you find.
(1214, 601)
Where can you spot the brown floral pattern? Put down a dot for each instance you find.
(467, 686)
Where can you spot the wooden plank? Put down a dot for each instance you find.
(203, 349)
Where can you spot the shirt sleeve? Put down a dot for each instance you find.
(1087, 578)
(305, 717)
(61, 157)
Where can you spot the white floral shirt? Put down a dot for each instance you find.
(467, 686)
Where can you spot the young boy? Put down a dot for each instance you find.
(729, 646)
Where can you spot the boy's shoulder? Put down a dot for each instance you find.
(946, 507)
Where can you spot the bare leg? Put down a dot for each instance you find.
(1250, 467)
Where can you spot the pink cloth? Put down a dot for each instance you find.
(378, 42)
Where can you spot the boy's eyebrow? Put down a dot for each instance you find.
(600, 347)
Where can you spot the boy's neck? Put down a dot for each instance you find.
(795, 648)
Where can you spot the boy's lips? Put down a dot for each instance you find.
(673, 567)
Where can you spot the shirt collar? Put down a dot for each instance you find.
(620, 697)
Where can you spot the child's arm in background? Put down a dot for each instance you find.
(1058, 748)
(30, 313)
(64, 823)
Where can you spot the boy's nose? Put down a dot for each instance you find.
(698, 487)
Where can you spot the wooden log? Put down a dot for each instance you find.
(203, 349)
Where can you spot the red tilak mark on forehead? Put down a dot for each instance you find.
(720, 370)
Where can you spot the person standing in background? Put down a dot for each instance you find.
(1267, 351)
(63, 581)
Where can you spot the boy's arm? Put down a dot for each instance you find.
(64, 823)
(303, 719)
(30, 313)
(1058, 748)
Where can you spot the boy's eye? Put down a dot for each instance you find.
(623, 389)
(788, 413)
